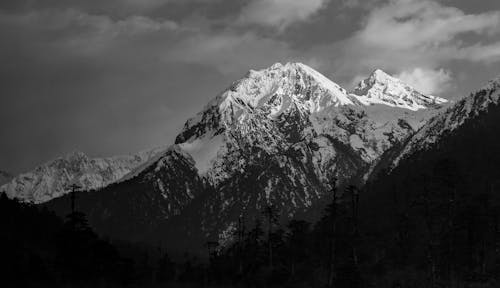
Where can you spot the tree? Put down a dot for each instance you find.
(166, 269)
(271, 214)
(240, 235)
(298, 242)
(353, 192)
(332, 213)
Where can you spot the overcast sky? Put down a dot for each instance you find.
(111, 77)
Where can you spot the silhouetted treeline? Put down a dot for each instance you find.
(39, 249)
(299, 254)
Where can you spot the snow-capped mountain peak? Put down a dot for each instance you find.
(51, 179)
(280, 111)
(282, 85)
(382, 88)
(268, 92)
(294, 101)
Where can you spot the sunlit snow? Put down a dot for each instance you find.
(203, 150)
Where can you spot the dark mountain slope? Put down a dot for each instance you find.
(437, 213)
(133, 209)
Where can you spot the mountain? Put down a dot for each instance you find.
(278, 107)
(275, 137)
(437, 204)
(280, 134)
(134, 207)
(445, 123)
(4, 177)
(292, 95)
(381, 88)
(50, 180)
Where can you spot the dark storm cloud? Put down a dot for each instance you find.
(110, 77)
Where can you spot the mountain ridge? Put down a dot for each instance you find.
(382, 88)
(278, 136)
(453, 117)
(262, 98)
(51, 179)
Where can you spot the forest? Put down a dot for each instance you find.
(433, 221)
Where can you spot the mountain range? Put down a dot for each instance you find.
(291, 101)
(278, 136)
(273, 143)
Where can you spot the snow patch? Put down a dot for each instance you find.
(203, 150)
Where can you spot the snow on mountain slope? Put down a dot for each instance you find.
(381, 88)
(295, 101)
(203, 150)
(271, 91)
(49, 180)
(452, 118)
(279, 135)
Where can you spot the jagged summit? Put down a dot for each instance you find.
(295, 101)
(382, 88)
(269, 92)
(281, 88)
(290, 79)
(379, 75)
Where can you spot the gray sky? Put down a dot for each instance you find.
(111, 77)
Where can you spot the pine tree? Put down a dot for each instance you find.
(298, 243)
(333, 236)
(271, 214)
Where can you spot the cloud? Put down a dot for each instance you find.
(75, 79)
(230, 52)
(406, 24)
(480, 52)
(279, 14)
(403, 35)
(116, 8)
(426, 80)
(71, 31)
